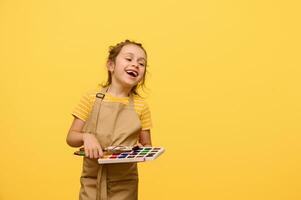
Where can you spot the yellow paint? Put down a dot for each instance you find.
(224, 80)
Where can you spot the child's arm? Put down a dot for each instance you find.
(77, 138)
(145, 138)
(75, 135)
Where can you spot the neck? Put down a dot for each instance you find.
(118, 90)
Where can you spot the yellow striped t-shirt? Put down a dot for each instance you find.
(83, 109)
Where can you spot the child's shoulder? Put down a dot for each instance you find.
(138, 97)
(140, 101)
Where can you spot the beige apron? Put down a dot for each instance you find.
(113, 123)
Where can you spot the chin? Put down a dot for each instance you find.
(130, 84)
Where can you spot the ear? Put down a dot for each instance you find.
(110, 65)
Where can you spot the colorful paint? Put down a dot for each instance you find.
(140, 154)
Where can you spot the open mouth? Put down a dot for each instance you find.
(132, 73)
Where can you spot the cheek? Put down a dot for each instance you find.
(143, 70)
(142, 74)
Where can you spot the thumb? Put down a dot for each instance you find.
(139, 144)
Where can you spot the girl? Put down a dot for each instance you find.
(113, 115)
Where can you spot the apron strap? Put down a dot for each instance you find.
(99, 97)
(101, 185)
(101, 193)
(95, 111)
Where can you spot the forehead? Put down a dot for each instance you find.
(133, 50)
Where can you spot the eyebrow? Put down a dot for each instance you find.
(141, 58)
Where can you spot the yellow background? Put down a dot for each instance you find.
(224, 80)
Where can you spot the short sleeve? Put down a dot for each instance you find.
(83, 108)
(145, 118)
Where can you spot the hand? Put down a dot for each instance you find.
(141, 145)
(92, 146)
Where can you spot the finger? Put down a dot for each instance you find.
(90, 153)
(86, 152)
(100, 152)
(95, 153)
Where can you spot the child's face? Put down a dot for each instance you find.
(129, 66)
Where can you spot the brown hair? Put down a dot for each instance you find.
(113, 53)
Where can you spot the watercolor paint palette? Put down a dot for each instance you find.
(140, 154)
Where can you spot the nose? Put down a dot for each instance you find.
(135, 64)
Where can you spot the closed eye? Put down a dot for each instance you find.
(142, 64)
(128, 59)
